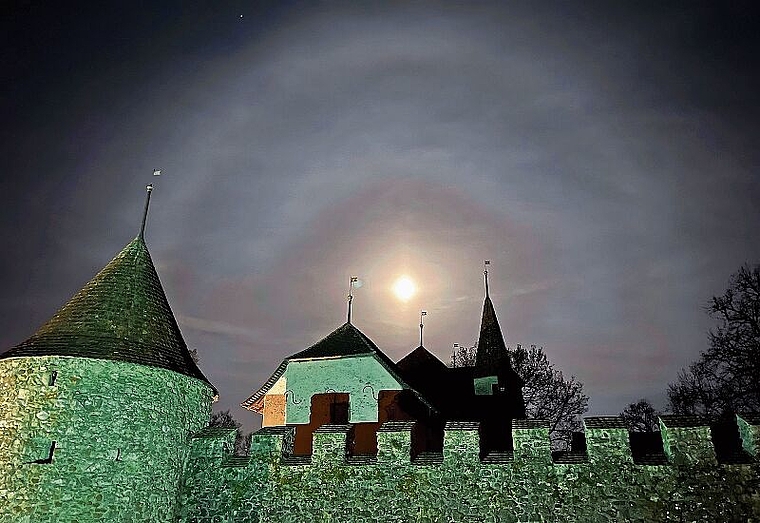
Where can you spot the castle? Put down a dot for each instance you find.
(103, 417)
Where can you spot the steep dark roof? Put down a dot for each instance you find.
(492, 352)
(424, 372)
(121, 314)
(422, 359)
(346, 340)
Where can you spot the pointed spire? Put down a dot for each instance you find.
(149, 189)
(492, 352)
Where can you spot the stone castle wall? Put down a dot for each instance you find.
(604, 484)
(124, 452)
(121, 434)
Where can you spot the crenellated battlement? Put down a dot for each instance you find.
(212, 442)
(616, 476)
(684, 440)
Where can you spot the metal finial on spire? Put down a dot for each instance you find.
(149, 189)
(353, 281)
(422, 325)
(485, 274)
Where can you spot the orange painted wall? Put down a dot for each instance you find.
(274, 410)
(364, 434)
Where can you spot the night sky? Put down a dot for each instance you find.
(604, 158)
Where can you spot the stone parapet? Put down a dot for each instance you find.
(394, 442)
(531, 442)
(687, 440)
(212, 442)
(329, 444)
(749, 431)
(607, 439)
(461, 442)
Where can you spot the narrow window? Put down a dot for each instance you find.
(41, 451)
(52, 378)
(339, 412)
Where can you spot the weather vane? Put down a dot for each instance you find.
(354, 282)
(422, 324)
(485, 274)
(149, 189)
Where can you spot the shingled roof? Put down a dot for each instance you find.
(121, 314)
(346, 340)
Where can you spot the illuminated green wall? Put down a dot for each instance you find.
(124, 453)
(362, 377)
(121, 432)
(607, 487)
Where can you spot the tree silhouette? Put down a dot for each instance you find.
(641, 417)
(725, 379)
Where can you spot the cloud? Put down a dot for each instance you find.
(217, 327)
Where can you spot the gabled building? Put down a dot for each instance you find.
(489, 393)
(342, 379)
(346, 379)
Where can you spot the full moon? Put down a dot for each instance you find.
(404, 288)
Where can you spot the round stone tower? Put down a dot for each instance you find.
(96, 408)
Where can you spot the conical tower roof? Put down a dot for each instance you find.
(492, 354)
(121, 314)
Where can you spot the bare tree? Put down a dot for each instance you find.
(548, 394)
(725, 379)
(463, 356)
(641, 417)
(225, 419)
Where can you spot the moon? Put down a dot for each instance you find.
(404, 288)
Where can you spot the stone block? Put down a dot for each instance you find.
(607, 439)
(329, 445)
(531, 440)
(394, 442)
(749, 430)
(461, 442)
(687, 440)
